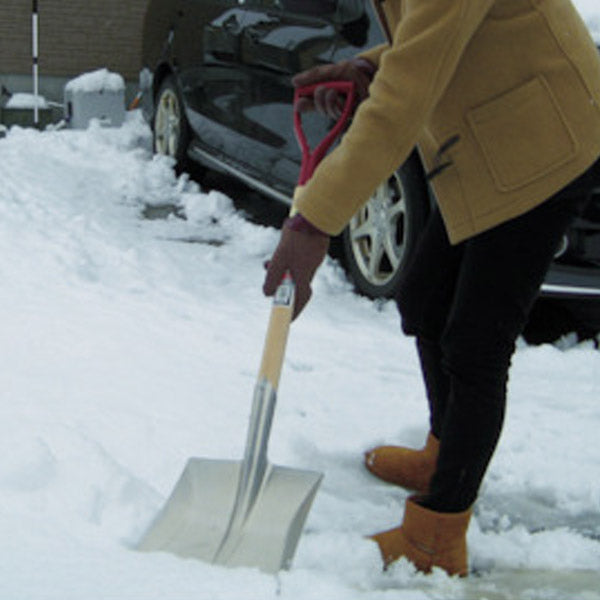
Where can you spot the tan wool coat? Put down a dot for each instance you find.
(501, 97)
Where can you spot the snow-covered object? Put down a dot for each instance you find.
(26, 101)
(96, 95)
(101, 80)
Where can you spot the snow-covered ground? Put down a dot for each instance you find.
(130, 345)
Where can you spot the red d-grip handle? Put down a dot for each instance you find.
(310, 159)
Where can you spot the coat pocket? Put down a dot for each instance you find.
(523, 135)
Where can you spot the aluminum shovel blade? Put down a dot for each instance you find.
(249, 512)
(196, 520)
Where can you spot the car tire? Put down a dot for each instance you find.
(378, 241)
(170, 126)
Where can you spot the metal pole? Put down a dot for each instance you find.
(36, 90)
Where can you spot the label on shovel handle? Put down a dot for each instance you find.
(284, 296)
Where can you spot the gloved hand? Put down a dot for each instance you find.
(327, 101)
(301, 249)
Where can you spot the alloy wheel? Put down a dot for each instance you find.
(167, 124)
(377, 234)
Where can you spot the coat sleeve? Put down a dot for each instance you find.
(412, 77)
(373, 55)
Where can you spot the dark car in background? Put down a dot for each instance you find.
(217, 82)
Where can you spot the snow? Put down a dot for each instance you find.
(23, 100)
(101, 80)
(591, 15)
(131, 344)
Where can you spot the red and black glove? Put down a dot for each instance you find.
(301, 249)
(328, 101)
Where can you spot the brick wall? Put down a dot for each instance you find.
(75, 36)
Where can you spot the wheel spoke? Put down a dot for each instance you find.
(394, 246)
(392, 251)
(375, 258)
(396, 209)
(366, 229)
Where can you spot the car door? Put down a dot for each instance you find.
(206, 55)
(277, 42)
(281, 38)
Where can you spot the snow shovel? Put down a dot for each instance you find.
(249, 512)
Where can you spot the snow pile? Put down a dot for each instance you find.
(26, 101)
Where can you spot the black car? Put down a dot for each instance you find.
(217, 82)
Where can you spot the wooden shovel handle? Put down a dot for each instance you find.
(277, 332)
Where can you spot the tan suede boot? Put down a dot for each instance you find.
(428, 539)
(411, 469)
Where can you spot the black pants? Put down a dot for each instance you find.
(467, 304)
